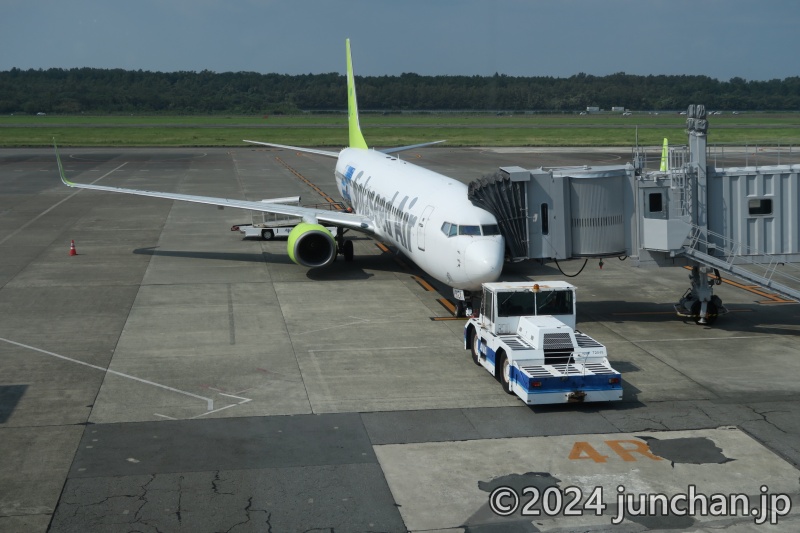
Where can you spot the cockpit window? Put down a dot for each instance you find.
(446, 228)
(453, 230)
(491, 229)
(469, 230)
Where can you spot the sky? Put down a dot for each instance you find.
(754, 40)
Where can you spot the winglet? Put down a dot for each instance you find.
(61, 168)
(356, 138)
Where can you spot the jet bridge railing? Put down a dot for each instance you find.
(737, 259)
(754, 153)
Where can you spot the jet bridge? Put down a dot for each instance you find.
(742, 221)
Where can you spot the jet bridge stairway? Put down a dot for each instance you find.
(735, 259)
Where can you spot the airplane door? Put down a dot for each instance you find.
(423, 221)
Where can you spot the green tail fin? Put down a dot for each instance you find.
(665, 156)
(356, 138)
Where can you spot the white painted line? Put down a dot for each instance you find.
(244, 400)
(164, 416)
(371, 349)
(696, 339)
(209, 401)
(43, 213)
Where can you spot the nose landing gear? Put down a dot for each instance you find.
(464, 303)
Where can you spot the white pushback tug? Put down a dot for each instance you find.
(525, 336)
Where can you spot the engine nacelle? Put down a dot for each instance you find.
(311, 245)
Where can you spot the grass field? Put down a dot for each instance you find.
(391, 130)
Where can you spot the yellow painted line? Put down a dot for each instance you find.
(645, 313)
(402, 263)
(673, 312)
(755, 289)
(447, 305)
(424, 284)
(306, 181)
(447, 318)
(383, 247)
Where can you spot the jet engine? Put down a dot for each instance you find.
(311, 245)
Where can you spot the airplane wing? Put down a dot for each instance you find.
(409, 147)
(334, 154)
(296, 148)
(308, 214)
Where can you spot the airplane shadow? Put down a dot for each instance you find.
(223, 256)
(742, 318)
(339, 270)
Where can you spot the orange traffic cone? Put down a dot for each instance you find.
(72, 250)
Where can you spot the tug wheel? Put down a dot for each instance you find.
(476, 354)
(505, 375)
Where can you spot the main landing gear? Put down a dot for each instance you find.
(343, 247)
(699, 302)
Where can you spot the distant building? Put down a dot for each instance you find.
(618, 108)
(592, 109)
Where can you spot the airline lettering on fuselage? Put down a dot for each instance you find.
(394, 221)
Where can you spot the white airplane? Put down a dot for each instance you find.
(424, 214)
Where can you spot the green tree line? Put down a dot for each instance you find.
(91, 90)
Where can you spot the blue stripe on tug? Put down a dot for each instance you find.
(552, 384)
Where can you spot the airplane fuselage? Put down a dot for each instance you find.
(424, 214)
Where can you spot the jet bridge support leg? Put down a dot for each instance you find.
(699, 302)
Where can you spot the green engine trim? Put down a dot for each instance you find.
(301, 230)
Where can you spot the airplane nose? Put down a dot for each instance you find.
(484, 260)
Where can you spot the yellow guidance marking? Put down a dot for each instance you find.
(673, 312)
(755, 289)
(447, 305)
(306, 181)
(424, 284)
(385, 249)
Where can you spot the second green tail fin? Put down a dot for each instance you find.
(356, 138)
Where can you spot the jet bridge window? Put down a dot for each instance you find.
(759, 206)
(545, 220)
(655, 202)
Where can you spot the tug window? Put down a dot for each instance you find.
(554, 303)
